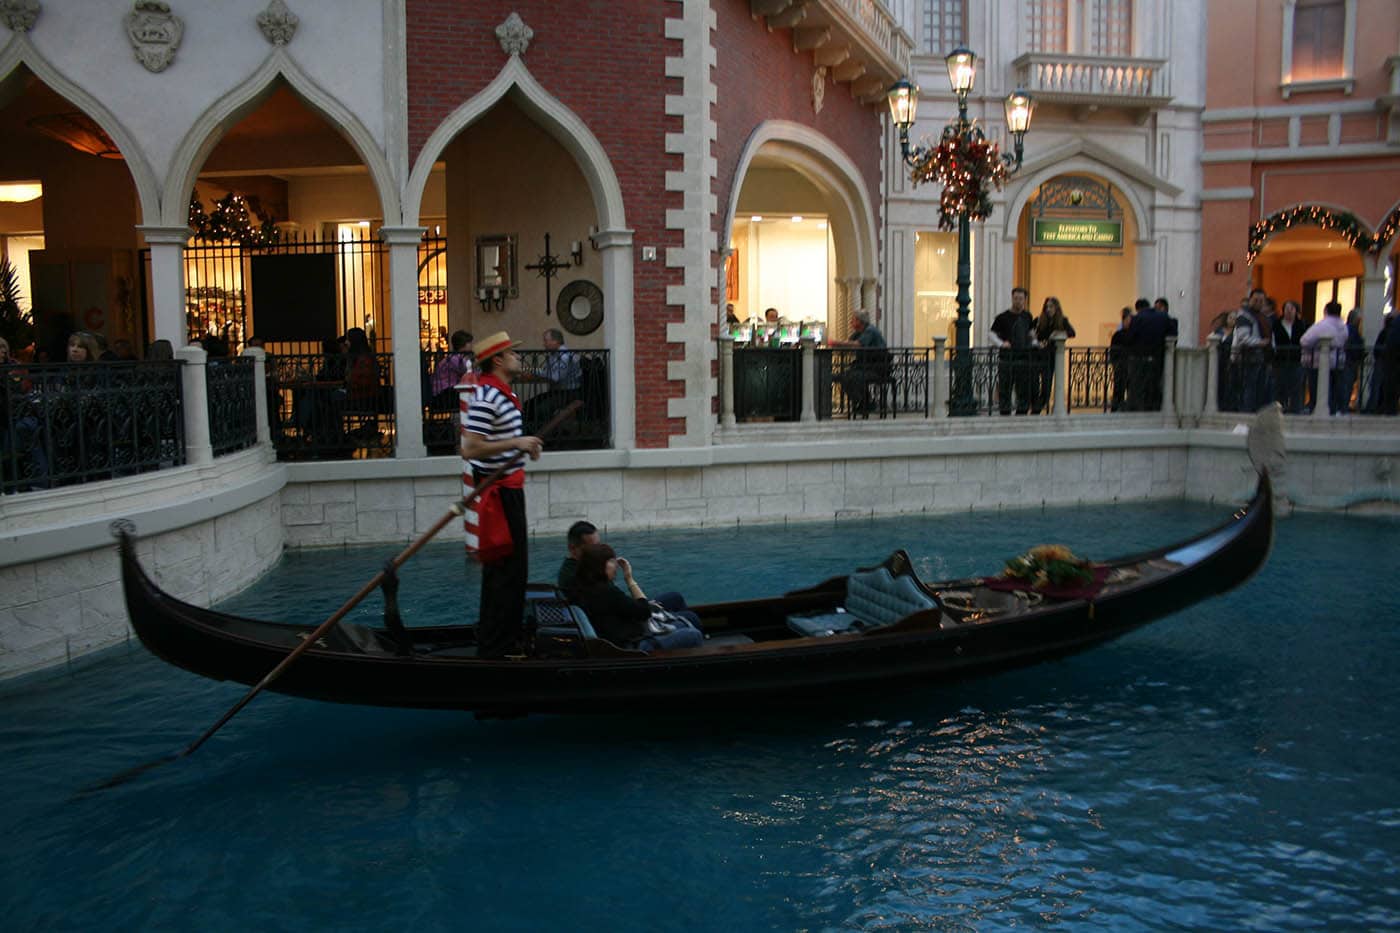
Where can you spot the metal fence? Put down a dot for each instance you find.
(331, 406)
(1254, 376)
(233, 413)
(767, 384)
(1110, 379)
(860, 382)
(64, 423)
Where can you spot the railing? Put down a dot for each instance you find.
(331, 406)
(547, 383)
(1096, 79)
(1109, 379)
(992, 381)
(860, 382)
(767, 384)
(64, 423)
(880, 26)
(1255, 376)
(233, 413)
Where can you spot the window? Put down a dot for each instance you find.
(1319, 30)
(945, 26)
(1049, 25)
(1112, 27)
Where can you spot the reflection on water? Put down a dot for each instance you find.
(1230, 767)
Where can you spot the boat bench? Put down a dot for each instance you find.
(562, 629)
(874, 599)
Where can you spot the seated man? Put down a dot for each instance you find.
(581, 535)
(564, 374)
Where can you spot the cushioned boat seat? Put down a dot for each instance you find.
(874, 598)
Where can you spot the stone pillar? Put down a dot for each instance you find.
(1372, 299)
(1061, 374)
(1213, 374)
(168, 281)
(848, 304)
(1169, 378)
(726, 381)
(259, 358)
(408, 360)
(938, 379)
(615, 246)
(195, 389)
(1323, 402)
(809, 380)
(870, 295)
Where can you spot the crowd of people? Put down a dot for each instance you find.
(1269, 354)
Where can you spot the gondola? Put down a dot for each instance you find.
(874, 627)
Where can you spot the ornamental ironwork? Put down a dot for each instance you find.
(233, 413)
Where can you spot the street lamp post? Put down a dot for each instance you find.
(965, 163)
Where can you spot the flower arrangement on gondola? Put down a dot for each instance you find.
(1049, 565)
(968, 167)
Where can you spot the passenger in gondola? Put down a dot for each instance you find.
(621, 619)
(585, 533)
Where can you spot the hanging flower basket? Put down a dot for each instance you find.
(968, 167)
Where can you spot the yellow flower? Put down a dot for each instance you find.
(1049, 552)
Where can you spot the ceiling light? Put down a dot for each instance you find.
(19, 192)
(756, 218)
(797, 218)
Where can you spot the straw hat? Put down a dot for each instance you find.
(490, 346)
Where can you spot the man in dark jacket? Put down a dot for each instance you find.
(1015, 329)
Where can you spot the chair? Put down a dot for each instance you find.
(874, 599)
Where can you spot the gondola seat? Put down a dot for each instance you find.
(874, 599)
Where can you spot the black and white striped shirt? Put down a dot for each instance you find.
(494, 416)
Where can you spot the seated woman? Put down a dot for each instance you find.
(616, 617)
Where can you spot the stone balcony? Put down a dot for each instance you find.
(1088, 83)
(858, 41)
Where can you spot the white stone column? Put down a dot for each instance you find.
(1323, 402)
(1372, 299)
(809, 380)
(726, 380)
(167, 281)
(195, 391)
(615, 246)
(403, 306)
(1061, 374)
(1169, 378)
(259, 358)
(870, 296)
(938, 378)
(1213, 374)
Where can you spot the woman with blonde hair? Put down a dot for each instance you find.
(83, 348)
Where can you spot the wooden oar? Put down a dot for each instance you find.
(455, 511)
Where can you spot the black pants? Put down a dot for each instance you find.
(501, 624)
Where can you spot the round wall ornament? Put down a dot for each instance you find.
(580, 307)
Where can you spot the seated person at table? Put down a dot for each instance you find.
(450, 370)
(616, 617)
(583, 534)
(564, 374)
(871, 363)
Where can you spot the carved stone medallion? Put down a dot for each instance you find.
(818, 89)
(278, 23)
(19, 15)
(514, 35)
(155, 33)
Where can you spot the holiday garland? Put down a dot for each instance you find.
(232, 219)
(1343, 222)
(968, 167)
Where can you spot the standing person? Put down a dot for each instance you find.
(1119, 366)
(1247, 341)
(1288, 367)
(1015, 328)
(1052, 321)
(871, 363)
(492, 437)
(1354, 358)
(1333, 327)
(1388, 363)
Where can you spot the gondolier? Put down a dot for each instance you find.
(492, 437)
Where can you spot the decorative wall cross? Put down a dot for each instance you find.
(548, 267)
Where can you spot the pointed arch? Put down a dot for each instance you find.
(21, 51)
(1388, 233)
(1343, 222)
(558, 120)
(819, 160)
(1044, 169)
(208, 130)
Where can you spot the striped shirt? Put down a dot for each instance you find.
(494, 416)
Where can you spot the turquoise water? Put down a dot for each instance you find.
(1231, 767)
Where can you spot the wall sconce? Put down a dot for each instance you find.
(492, 297)
(576, 251)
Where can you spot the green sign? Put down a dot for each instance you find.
(1076, 233)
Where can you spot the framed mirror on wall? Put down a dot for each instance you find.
(496, 267)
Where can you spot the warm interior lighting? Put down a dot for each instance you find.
(903, 98)
(18, 192)
(797, 218)
(756, 218)
(1019, 107)
(77, 130)
(962, 70)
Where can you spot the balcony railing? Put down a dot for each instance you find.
(1094, 80)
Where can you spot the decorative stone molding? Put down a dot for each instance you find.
(155, 33)
(818, 89)
(514, 35)
(278, 23)
(19, 15)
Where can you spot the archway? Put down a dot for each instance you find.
(1311, 265)
(1077, 240)
(70, 203)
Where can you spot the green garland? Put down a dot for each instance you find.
(1343, 222)
(232, 219)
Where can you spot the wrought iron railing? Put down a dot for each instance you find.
(233, 412)
(991, 381)
(1255, 376)
(1110, 379)
(65, 423)
(858, 383)
(331, 406)
(767, 384)
(547, 383)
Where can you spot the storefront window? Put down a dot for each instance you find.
(935, 286)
